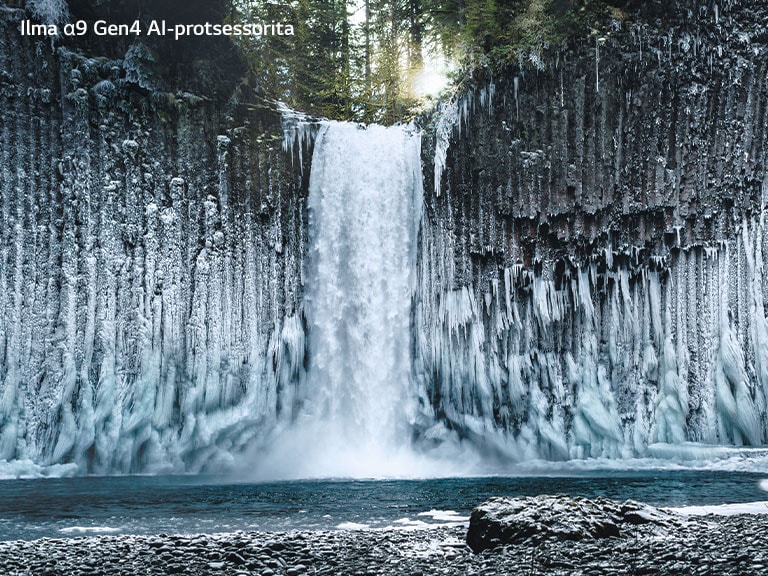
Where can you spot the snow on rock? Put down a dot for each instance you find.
(49, 11)
(531, 520)
(150, 262)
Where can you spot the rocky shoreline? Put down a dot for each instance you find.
(706, 545)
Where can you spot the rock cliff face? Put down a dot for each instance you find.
(592, 269)
(150, 252)
(590, 276)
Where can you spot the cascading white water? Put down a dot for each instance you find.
(365, 205)
(357, 404)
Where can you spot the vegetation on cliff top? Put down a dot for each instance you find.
(362, 60)
(374, 60)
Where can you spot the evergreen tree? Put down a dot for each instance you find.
(363, 68)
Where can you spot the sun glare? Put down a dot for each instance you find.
(430, 82)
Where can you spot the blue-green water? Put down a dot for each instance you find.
(59, 507)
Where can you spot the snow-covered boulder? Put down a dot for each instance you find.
(503, 520)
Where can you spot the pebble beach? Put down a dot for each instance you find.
(701, 545)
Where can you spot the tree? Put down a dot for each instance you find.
(309, 70)
(364, 68)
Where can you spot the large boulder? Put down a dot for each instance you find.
(532, 520)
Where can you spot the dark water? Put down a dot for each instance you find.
(189, 504)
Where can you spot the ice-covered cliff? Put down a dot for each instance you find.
(592, 261)
(587, 277)
(151, 244)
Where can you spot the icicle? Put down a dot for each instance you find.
(491, 95)
(298, 131)
(448, 120)
(597, 66)
(516, 83)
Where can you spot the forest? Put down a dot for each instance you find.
(364, 60)
(361, 60)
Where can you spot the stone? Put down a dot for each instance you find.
(535, 519)
(235, 558)
(709, 546)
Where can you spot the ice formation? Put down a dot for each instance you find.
(597, 363)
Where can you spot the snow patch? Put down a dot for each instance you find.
(90, 530)
(723, 509)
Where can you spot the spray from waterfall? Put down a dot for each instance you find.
(358, 404)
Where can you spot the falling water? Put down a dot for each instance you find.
(365, 208)
(365, 196)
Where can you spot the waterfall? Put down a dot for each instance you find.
(365, 205)
(355, 410)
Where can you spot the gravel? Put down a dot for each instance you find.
(732, 545)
